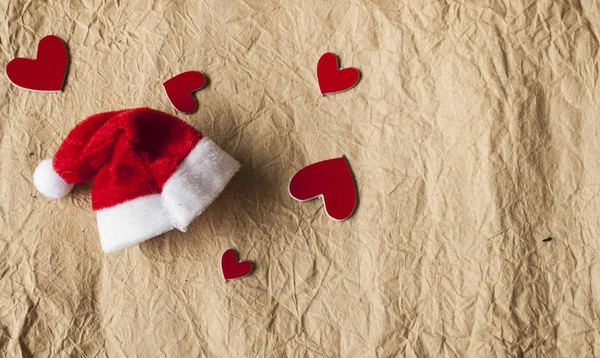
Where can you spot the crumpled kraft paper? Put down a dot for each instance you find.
(472, 135)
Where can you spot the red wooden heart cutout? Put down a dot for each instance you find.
(233, 269)
(180, 88)
(331, 78)
(330, 179)
(44, 74)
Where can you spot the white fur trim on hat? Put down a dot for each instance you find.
(132, 222)
(48, 182)
(197, 182)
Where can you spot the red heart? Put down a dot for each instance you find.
(179, 90)
(330, 179)
(233, 269)
(44, 74)
(331, 78)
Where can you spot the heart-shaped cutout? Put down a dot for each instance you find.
(45, 73)
(330, 179)
(233, 269)
(180, 88)
(331, 78)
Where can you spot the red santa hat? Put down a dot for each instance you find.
(153, 173)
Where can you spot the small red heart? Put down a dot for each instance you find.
(330, 179)
(44, 74)
(233, 269)
(180, 88)
(331, 78)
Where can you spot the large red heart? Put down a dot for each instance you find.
(330, 179)
(179, 90)
(44, 74)
(331, 78)
(233, 269)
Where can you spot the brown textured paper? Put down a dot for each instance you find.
(473, 136)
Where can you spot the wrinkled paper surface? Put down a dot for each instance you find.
(472, 135)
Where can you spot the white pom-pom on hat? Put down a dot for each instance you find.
(48, 182)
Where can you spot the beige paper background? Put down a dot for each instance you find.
(473, 136)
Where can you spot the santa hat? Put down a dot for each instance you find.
(153, 173)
